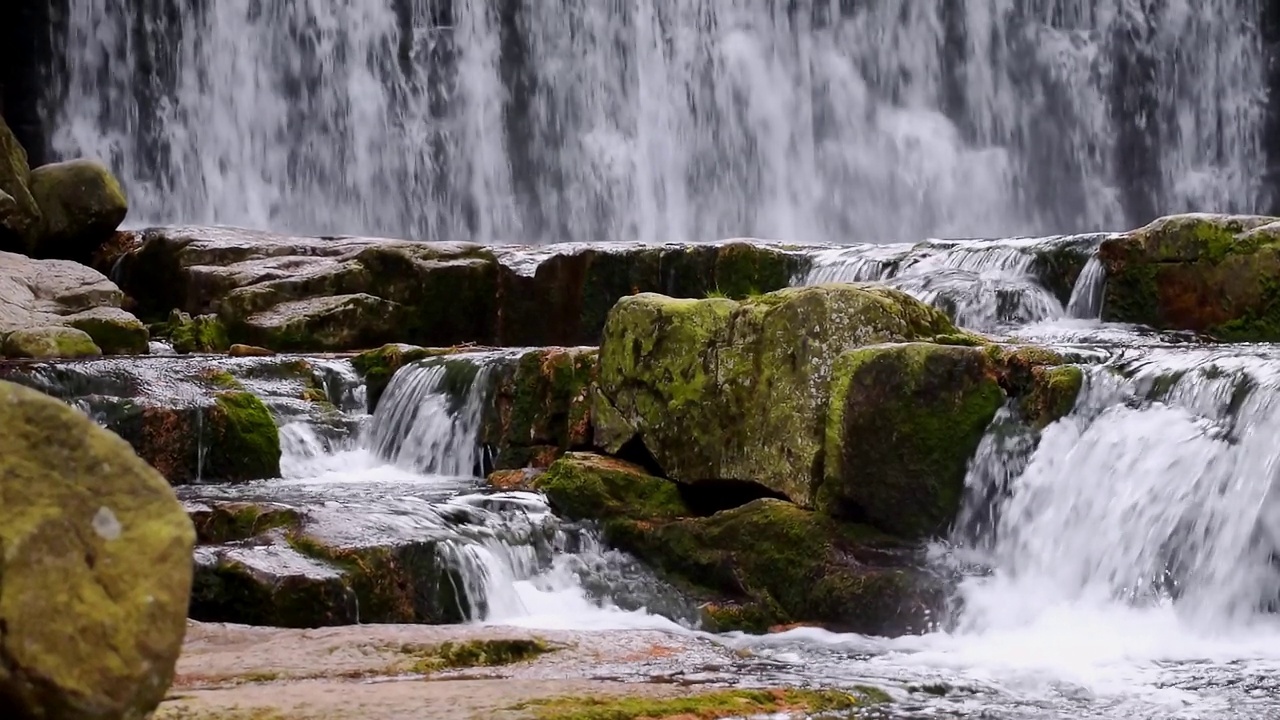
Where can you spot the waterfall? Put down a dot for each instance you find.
(538, 120)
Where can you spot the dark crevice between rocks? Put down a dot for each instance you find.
(708, 497)
(635, 452)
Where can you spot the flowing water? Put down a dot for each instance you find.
(536, 120)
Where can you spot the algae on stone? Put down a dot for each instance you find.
(48, 343)
(903, 422)
(96, 570)
(724, 390)
(244, 442)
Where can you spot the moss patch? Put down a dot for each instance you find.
(1053, 393)
(201, 334)
(475, 653)
(703, 706)
(903, 422)
(232, 522)
(244, 441)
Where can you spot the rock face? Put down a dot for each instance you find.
(81, 205)
(903, 422)
(765, 563)
(59, 293)
(96, 570)
(1206, 273)
(19, 215)
(323, 294)
(721, 390)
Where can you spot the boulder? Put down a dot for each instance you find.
(764, 563)
(723, 390)
(52, 293)
(903, 422)
(96, 570)
(46, 343)
(81, 205)
(539, 406)
(340, 322)
(19, 214)
(1211, 274)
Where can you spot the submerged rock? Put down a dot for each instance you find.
(1205, 273)
(723, 390)
(764, 563)
(96, 570)
(903, 422)
(81, 205)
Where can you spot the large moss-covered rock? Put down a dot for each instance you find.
(43, 343)
(596, 487)
(81, 205)
(112, 329)
(1215, 274)
(96, 569)
(725, 390)
(903, 422)
(19, 214)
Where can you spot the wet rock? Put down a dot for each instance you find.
(44, 343)
(1044, 383)
(1205, 273)
(51, 293)
(539, 406)
(19, 214)
(379, 365)
(340, 322)
(249, 351)
(300, 580)
(721, 390)
(96, 573)
(81, 205)
(199, 334)
(903, 422)
(217, 523)
(764, 563)
(206, 418)
(563, 298)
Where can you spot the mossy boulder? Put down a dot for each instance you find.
(244, 443)
(81, 205)
(46, 343)
(722, 390)
(597, 487)
(19, 214)
(776, 563)
(199, 334)
(903, 422)
(113, 330)
(377, 366)
(1214, 274)
(96, 570)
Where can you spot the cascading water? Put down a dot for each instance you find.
(532, 120)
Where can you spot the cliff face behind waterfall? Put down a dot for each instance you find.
(537, 120)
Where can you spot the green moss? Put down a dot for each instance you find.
(475, 653)
(582, 485)
(744, 270)
(47, 343)
(220, 378)
(704, 706)
(903, 422)
(116, 334)
(244, 441)
(1053, 393)
(233, 522)
(201, 334)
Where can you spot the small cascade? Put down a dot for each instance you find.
(1086, 296)
(430, 416)
(983, 285)
(1179, 443)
